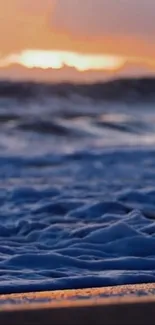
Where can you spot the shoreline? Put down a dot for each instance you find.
(125, 304)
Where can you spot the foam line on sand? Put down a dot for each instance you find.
(128, 304)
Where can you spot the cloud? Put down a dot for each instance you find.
(133, 18)
(24, 24)
(115, 27)
(18, 72)
(30, 6)
(35, 6)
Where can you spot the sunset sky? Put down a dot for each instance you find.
(76, 39)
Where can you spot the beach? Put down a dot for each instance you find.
(130, 304)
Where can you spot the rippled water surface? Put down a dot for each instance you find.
(77, 193)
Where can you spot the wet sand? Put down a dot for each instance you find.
(128, 304)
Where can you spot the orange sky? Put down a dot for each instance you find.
(123, 28)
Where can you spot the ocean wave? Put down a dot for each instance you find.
(58, 231)
(126, 90)
(77, 190)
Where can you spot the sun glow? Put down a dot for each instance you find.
(59, 59)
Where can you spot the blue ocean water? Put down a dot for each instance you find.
(77, 192)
